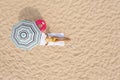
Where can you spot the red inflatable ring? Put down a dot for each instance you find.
(42, 23)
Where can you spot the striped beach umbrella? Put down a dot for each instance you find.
(26, 35)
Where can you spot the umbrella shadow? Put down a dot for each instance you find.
(31, 14)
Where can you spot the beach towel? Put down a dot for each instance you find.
(43, 41)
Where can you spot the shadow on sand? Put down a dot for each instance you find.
(31, 14)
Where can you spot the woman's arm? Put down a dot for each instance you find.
(46, 44)
(46, 34)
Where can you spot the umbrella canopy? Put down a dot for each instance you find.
(26, 35)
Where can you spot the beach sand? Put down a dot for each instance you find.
(92, 54)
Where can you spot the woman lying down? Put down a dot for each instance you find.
(52, 39)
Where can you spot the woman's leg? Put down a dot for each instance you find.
(61, 39)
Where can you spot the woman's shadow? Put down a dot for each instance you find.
(31, 14)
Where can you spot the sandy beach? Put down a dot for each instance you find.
(92, 54)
